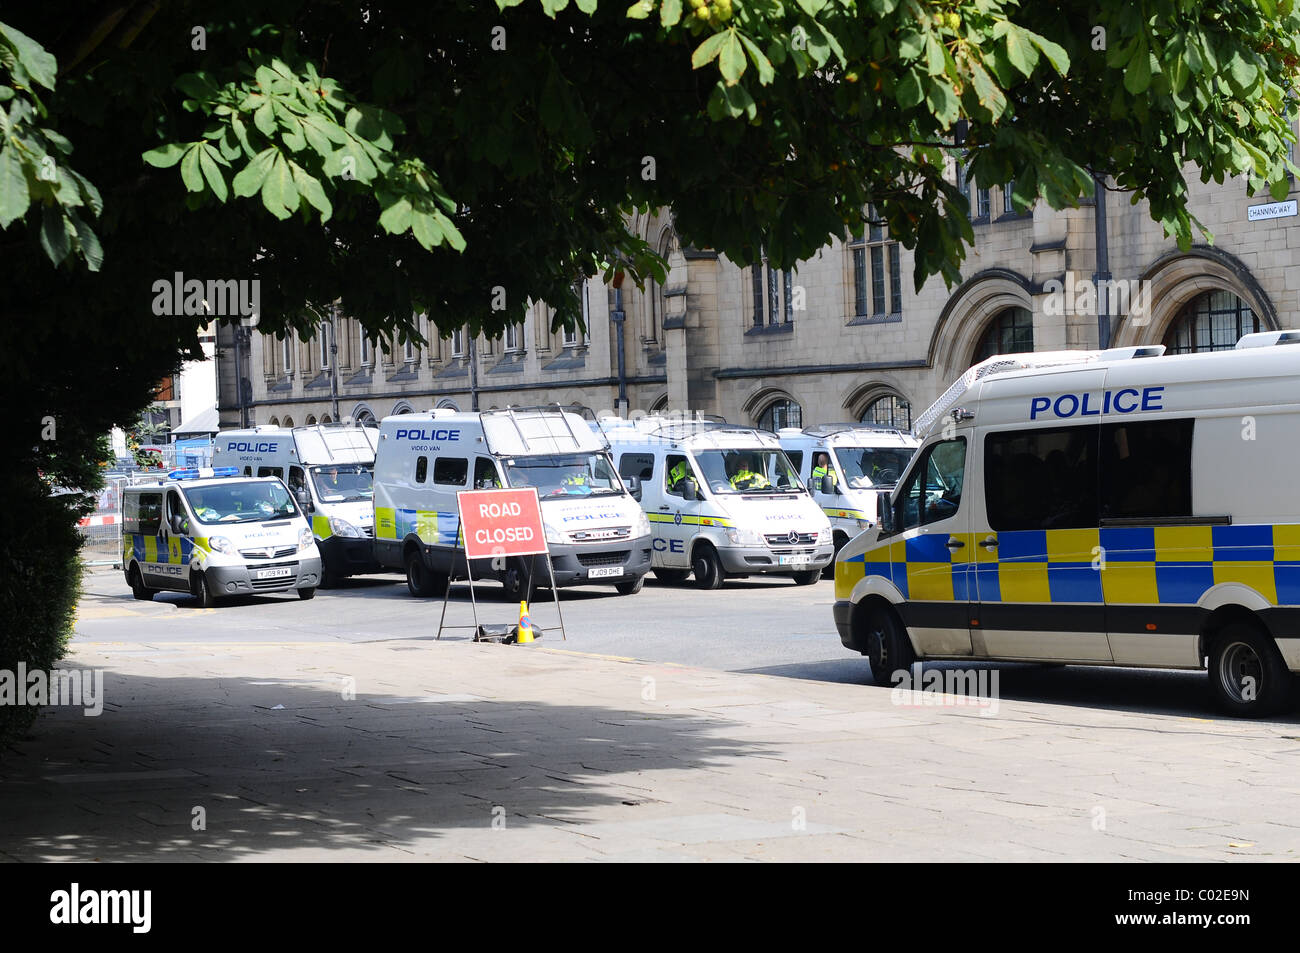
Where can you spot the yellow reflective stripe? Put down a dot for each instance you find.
(385, 522)
(320, 525)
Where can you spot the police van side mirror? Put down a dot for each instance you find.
(303, 498)
(177, 525)
(884, 514)
(690, 489)
(633, 487)
(828, 486)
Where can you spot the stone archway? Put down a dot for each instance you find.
(966, 316)
(1179, 277)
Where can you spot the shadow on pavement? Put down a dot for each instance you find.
(321, 773)
(1142, 691)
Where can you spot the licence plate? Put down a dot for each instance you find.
(604, 571)
(274, 573)
(793, 560)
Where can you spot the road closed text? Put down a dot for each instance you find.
(504, 534)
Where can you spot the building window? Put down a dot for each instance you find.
(1008, 206)
(773, 297)
(323, 345)
(1010, 332)
(409, 352)
(286, 354)
(363, 347)
(889, 411)
(877, 272)
(980, 205)
(512, 338)
(983, 206)
(781, 413)
(1213, 321)
(458, 342)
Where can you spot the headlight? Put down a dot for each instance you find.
(305, 538)
(642, 527)
(744, 537)
(553, 535)
(341, 527)
(222, 545)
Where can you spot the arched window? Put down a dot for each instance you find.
(1010, 332)
(311, 420)
(288, 421)
(1213, 321)
(660, 405)
(325, 419)
(447, 404)
(402, 408)
(781, 413)
(274, 421)
(888, 410)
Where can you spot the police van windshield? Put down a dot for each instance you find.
(747, 471)
(348, 483)
(565, 474)
(872, 466)
(240, 502)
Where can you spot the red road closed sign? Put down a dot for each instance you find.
(501, 522)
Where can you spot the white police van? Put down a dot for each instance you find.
(595, 531)
(214, 533)
(1102, 508)
(723, 501)
(846, 467)
(329, 469)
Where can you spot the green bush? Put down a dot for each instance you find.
(40, 581)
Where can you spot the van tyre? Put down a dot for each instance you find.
(328, 578)
(630, 588)
(886, 645)
(1247, 674)
(707, 567)
(672, 577)
(516, 581)
(138, 588)
(203, 592)
(420, 579)
(807, 578)
(306, 592)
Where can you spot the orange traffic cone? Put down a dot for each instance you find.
(525, 625)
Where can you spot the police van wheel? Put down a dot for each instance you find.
(307, 592)
(515, 582)
(1247, 674)
(630, 588)
(672, 577)
(138, 588)
(328, 578)
(807, 578)
(707, 567)
(419, 579)
(888, 648)
(203, 592)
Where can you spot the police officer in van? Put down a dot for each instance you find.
(823, 468)
(745, 477)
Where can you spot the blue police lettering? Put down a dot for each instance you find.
(245, 447)
(428, 435)
(668, 545)
(1123, 401)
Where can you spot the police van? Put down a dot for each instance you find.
(329, 469)
(845, 467)
(212, 533)
(595, 530)
(724, 501)
(1118, 507)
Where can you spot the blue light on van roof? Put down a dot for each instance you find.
(199, 473)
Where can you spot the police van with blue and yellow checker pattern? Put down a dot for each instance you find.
(1106, 508)
(213, 533)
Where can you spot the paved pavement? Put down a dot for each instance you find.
(410, 749)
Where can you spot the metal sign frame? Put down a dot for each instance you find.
(469, 574)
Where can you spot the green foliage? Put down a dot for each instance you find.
(40, 581)
(33, 167)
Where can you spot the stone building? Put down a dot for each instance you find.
(845, 336)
